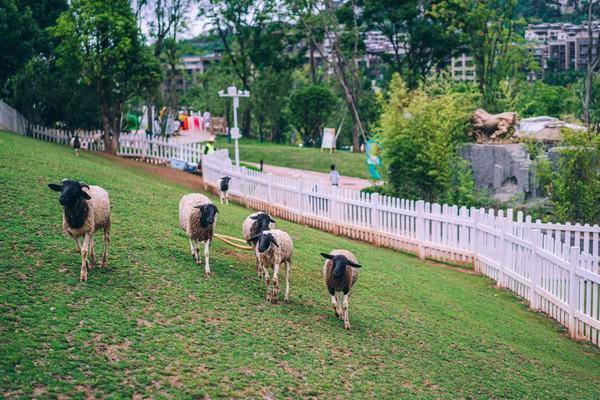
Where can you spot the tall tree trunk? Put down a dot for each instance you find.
(108, 145)
(313, 66)
(355, 140)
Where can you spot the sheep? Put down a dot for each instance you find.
(252, 226)
(197, 218)
(84, 212)
(224, 190)
(273, 248)
(340, 278)
(76, 143)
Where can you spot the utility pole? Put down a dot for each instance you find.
(235, 131)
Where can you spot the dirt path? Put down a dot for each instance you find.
(191, 181)
(346, 182)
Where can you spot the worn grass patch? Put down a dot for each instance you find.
(150, 324)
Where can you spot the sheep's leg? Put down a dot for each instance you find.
(267, 283)
(259, 268)
(227, 198)
(92, 253)
(221, 198)
(84, 261)
(206, 254)
(287, 281)
(193, 247)
(106, 235)
(334, 303)
(346, 319)
(77, 244)
(275, 283)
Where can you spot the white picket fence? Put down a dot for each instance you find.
(157, 148)
(11, 120)
(554, 266)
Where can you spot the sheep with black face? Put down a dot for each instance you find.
(197, 218)
(224, 190)
(252, 226)
(341, 273)
(274, 248)
(85, 209)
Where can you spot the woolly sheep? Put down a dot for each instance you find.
(197, 218)
(341, 273)
(224, 190)
(274, 248)
(252, 226)
(85, 210)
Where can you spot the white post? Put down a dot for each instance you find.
(575, 255)
(236, 103)
(420, 228)
(474, 245)
(270, 188)
(536, 270)
(375, 223)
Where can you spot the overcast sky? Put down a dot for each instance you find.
(195, 24)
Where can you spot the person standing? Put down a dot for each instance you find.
(334, 176)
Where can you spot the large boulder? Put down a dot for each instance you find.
(503, 169)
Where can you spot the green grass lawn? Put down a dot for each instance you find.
(348, 164)
(151, 324)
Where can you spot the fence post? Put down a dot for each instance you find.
(506, 246)
(302, 202)
(270, 188)
(474, 243)
(375, 222)
(536, 270)
(335, 209)
(420, 228)
(575, 257)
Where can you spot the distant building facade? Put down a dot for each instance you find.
(190, 66)
(462, 68)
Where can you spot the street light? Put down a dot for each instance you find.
(235, 131)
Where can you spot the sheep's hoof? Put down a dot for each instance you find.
(207, 274)
(347, 325)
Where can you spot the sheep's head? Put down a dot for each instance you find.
(263, 221)
(264, 240)
(208, 214)
(70, 192)
(340, 263)
(225, 183)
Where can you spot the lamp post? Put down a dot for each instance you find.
(235, 131)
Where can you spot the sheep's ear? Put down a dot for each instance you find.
(254, 217)
(354, 264)
(85, 195)
(271, 220)
(254, 238)
(274, 241)
(216, 209)
(55, 187)
(83, 184)
(326, 255)
(200, 207)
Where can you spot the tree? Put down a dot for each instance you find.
(269, 100)
(311, 106)
(18, 31)
(593, 63)
(104, 38)
(420, 133)
(337, 25)
(486, 28)
(419, 41)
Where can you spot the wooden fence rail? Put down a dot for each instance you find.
(554, 266)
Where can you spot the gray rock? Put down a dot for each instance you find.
(503, 169)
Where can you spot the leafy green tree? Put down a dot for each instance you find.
(310, 107)
(103, 36)
(270, 99)
(419, 41)
(420, 134)
(575, 188)
(486, 28)
(540, 98)
(18, 33)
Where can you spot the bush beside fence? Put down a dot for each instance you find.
(556, 267)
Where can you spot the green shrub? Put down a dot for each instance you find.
(420, 132)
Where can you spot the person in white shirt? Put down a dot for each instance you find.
(334, 176)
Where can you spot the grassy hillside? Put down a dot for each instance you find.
(151, 324)
(349, 164)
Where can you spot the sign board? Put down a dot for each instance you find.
(235, 133)
(328, 139)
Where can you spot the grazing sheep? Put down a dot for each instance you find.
(272, 249)
(84, 212)
(252, 226)
(224, 190)
(197, 217)
(76, 143)
(341, 273)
